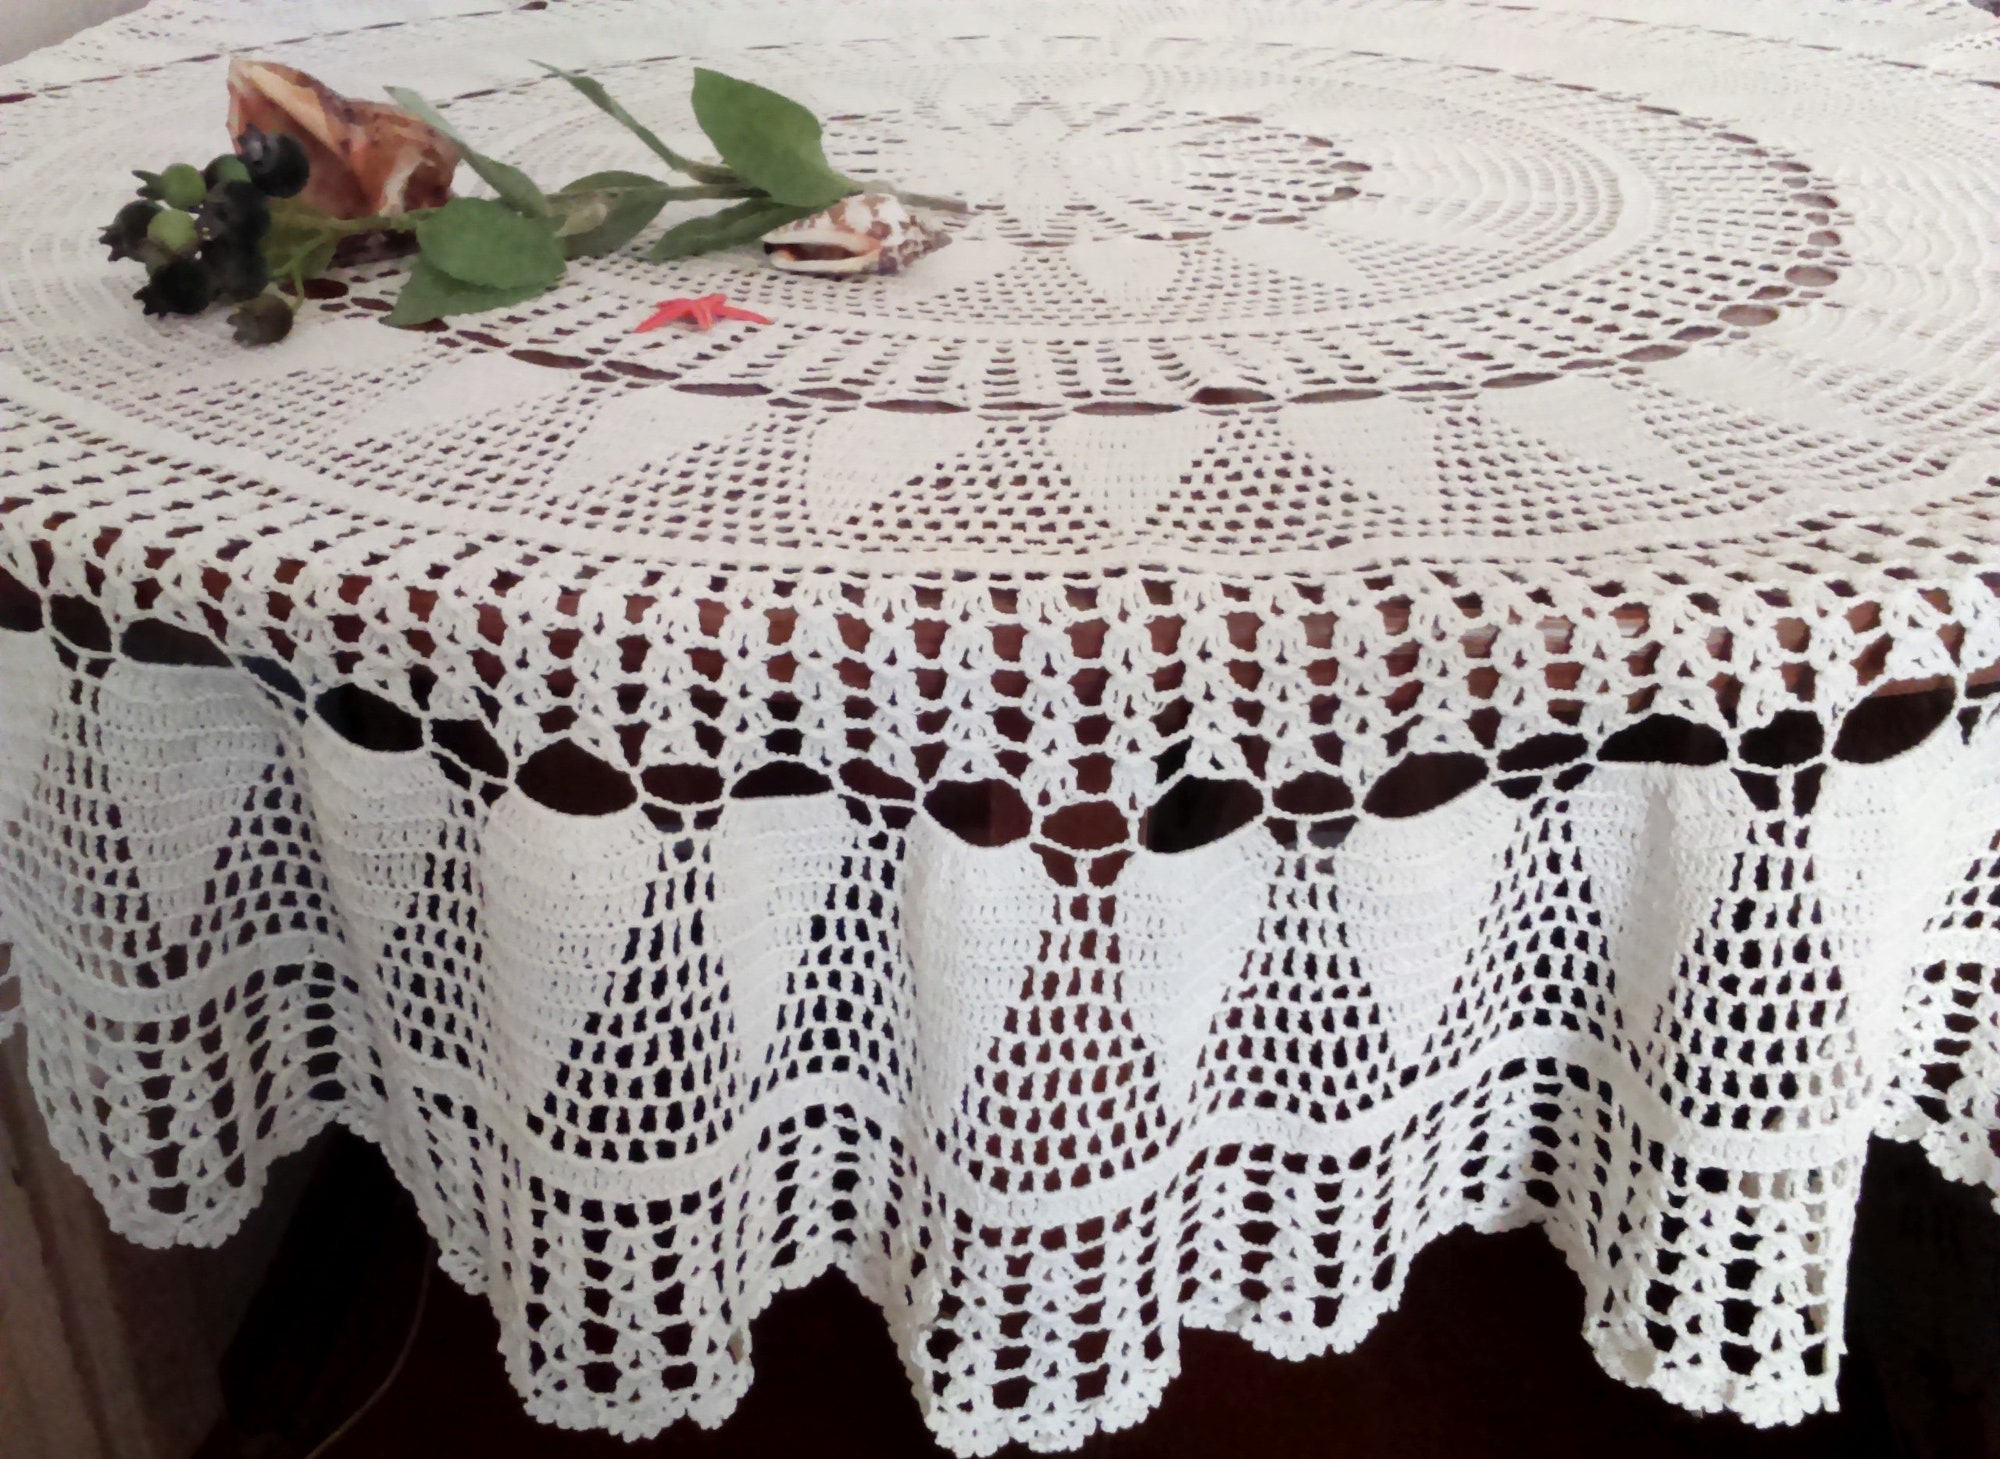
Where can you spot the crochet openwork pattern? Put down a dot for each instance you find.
(1315, 678)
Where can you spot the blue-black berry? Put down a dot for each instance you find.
(265, 319)
(127, 232)
(236, 269)
(278, 164)
(179, 287)
(235, 211)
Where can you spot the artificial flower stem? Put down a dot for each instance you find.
(691, 193)
(918, 200)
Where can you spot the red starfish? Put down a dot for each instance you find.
(701, 313)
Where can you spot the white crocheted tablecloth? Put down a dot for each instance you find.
(1311, 680)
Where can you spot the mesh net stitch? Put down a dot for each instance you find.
(1311, 680)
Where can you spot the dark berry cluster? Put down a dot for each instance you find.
(200, 233)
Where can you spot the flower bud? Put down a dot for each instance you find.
(226, 168)
(173, 230)
(181, 186)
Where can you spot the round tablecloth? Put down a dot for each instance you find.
(1312, 679)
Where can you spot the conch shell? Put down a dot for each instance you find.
(367, 157)
(870, 233)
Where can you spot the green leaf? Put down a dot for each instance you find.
(481, 242)
(772, 140)
(605, 211)
(515, 187)
(602, 99)
(726, 229)
(431, 293)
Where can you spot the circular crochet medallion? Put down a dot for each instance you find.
(1296, 288)
(1424, 224)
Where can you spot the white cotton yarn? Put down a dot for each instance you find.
(1326, 398)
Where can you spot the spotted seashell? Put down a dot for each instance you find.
(869, 233)
(367, 157)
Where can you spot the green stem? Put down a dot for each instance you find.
(379, 223)
(714, 190)
(593, 89)
(942, 205)
(677, 194)
(915, 200)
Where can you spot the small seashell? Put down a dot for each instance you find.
(870, 233)
(367, 157)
